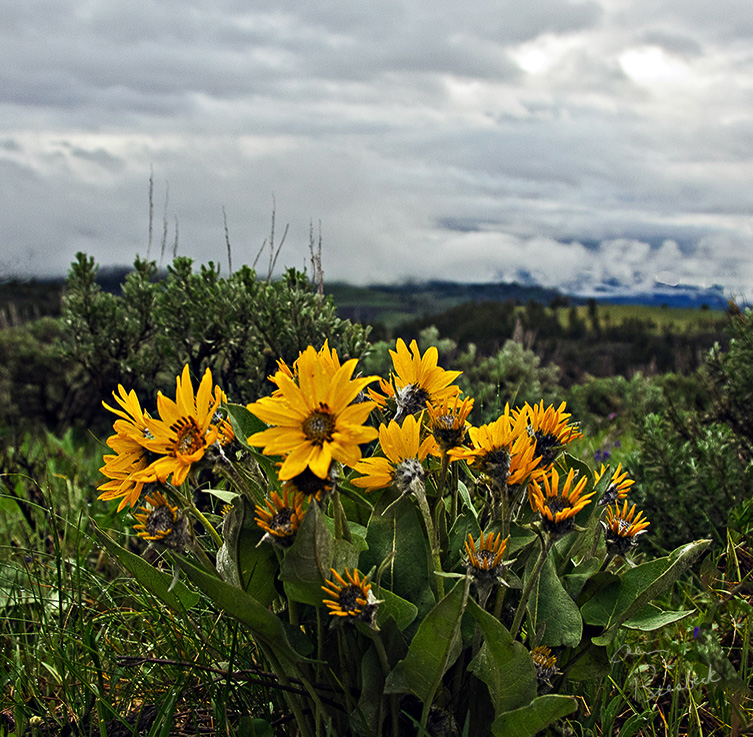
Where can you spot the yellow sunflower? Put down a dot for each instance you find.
(550, 428)
(327, 357)
(448, 421)
(131, 455)
(417, 380)
(314, 420)
(404, 451)
(622, 527)
(503, 450)
(619, 485)
(350, 598)
(283, 516)
(558, 506)
(184, 429)
(122, 471)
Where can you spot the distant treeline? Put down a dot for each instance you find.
(581, 342)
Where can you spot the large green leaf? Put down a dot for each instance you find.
(550, 603)
(307, 563)
(262, 623)
(159, 583)
(434, 648)
(396, 531)
(250, 566)
(530, 720)
(623, 599)
(402, 611)
(502, 663)
(651, 617)
(244, 425)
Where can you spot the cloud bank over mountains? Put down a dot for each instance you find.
(570, 143)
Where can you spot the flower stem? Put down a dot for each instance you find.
(545, 548)
(207, 525)
(419, 493)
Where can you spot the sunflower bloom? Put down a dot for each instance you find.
(159, 521)
(551, 429)
(314, 420)
(622, 527)
(484, 557)
(328, 360)
(184, 430)
(404, 452)
(546, 666)
(310, 485)
(282, 518)
(448, 421)
(122, 471)
(558, 506)
(128, 443)
(417, 380)
(502, 450)
(619, 485)
(350, 598)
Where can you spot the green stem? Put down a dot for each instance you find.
(293, 699)
(384, 662)
(207, 525)
(342, 529)
(499, 600)
(504, 512)
(545, 548)
(419, 493)
(201, 555)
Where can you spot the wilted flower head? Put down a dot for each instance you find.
(485, 556)
(163, 523)
(546, 667)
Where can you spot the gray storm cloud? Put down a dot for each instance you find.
(580, 143)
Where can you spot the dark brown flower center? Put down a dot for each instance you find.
(349, 598)
(189, 436)
(160, 521)
(281, 522)
(319, 426)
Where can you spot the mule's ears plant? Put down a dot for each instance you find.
(407, 570)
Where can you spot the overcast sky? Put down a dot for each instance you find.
(570, 143)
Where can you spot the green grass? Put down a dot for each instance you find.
(664, 319)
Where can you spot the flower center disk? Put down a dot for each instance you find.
(189, 436)
(319, 426)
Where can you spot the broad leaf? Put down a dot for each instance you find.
(250, 566)
(502, 663)
(434, 648)
(262, 623)
(550, 603)
(623, 599)
(530, 720)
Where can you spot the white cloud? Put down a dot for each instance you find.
(577, 142)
